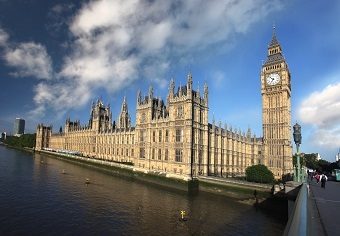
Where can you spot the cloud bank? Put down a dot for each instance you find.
(27, 59)
(116, 42)
(321, 109)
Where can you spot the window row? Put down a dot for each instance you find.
(159, 155)
(158, 137)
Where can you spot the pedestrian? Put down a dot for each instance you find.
(256, 200)
(323, 181)
(317, 177)
(310, 175)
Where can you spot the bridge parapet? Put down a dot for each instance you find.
(297, 217)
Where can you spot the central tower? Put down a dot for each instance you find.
(276, 110)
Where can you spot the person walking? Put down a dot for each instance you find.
(323, 181)
(317, 177)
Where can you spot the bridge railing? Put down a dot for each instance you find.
(298, 220)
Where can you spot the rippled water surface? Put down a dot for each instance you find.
(37, 198)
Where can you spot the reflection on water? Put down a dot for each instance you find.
(43, 195)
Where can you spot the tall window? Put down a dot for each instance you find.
(143, 118)
(179, 154)
(160, 136)
(166, 135)
(166, 154)
(179, 111)
(159, 154)
(142, 153)
(142, 136)
(179, 135)
(154, 136)
(153, 153)
(132, 153)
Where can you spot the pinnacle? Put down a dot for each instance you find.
(274, 40)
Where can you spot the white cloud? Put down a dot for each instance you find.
(59, 96)
(321, 109)
(3, 37)
(143, 34)
(327, 138)
(60, 8)
(116, 42)
(217, 77)
(29, 59)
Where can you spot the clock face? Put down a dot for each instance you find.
(273, 79)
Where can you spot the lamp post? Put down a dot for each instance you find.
(297, 140)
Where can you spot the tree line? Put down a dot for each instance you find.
(311, 162)
(25, 140)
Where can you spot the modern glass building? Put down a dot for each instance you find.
(19, 127)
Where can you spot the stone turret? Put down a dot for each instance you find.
(124, 119)
(150, 93)
(205, 96)
(171, 88)
(139, 97)
(43, 134)
(189, 84)
(101, 117)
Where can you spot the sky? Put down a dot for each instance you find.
(56, 57)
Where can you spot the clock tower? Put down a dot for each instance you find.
(276, 111)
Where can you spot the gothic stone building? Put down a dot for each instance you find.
(175, 137)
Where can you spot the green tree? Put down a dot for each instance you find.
(302, 160)
(25, 140)
(323, 166)
(311, 161)
(259, 174)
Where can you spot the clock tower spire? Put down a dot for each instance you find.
(276, 110)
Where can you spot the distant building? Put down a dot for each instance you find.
(3, 135)
(317, 155)
(19, 127)
(337, 156)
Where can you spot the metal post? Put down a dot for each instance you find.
(297, 140)
(298, 164)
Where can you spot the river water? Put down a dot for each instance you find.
(37, 198)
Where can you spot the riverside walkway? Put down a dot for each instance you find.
(326, 203)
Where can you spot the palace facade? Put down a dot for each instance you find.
(175, 137)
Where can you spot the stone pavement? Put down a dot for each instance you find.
(327, 204)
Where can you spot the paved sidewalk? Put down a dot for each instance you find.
(328, 205)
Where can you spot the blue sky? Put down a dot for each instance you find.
(58, 56)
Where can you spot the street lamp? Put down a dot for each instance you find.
(297, 140)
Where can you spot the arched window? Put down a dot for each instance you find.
(160, 136)
(179, 135)
(159, 154)
(166, 135)
(166, 154)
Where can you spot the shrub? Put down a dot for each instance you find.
(259, 174)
